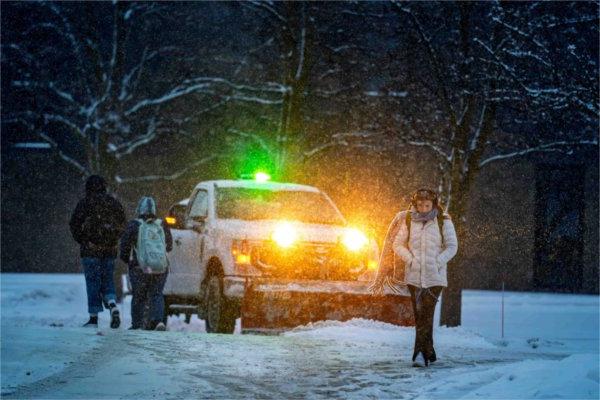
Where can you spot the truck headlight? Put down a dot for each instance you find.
(354, 240)
(284, 235)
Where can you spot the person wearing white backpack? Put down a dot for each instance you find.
(144, 247)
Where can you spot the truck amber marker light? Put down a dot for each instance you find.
(242, 259)
(241, 251)
(170, 220)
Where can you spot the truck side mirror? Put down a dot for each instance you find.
(175, 217)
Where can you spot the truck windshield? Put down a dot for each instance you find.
(256, 204)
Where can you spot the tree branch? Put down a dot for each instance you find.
(84, 171)
(549, 147)
(252, 136)
(151, 178)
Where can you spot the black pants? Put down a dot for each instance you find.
(147, 292)
(423, 302)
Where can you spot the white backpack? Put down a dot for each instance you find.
(151, 247)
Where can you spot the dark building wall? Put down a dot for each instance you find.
(38, 194)
(591, 247)
(500, 244)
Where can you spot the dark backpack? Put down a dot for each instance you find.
(102, 226)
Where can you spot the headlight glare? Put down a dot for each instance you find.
(354, 240)
(284, 235)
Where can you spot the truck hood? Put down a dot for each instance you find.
(262, 230)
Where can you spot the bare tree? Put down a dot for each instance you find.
(98, 77)
(474, 83)
(320, 56)
(477, 78)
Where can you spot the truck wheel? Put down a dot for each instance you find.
(220, 317)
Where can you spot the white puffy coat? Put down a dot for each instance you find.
(425, 257)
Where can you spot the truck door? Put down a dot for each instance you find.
(176, 261)
(191, 244)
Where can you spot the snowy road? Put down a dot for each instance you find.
(45, 354)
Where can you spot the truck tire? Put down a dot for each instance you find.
(220, 313)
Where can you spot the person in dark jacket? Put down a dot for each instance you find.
(147, 287)
(96, 224)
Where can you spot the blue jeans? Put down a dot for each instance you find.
(99, 282)
(147, 290)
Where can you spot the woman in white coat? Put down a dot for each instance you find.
(426, 246)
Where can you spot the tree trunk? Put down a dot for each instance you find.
(462, 180)
(451, 308)
(297, 41)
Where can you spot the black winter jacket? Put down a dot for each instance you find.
(129, 241)
(106, 205)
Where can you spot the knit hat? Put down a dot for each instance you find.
(425, 194)
(146, 207)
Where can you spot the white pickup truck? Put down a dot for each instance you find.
(231, 233)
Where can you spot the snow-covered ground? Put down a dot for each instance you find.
(550, 350)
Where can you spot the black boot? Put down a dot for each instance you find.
(150, 325)
(417, 362)
(115, 318)
(92, 323)
(432, 357)
(415, 354)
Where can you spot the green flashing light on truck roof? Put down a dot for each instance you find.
(258, 176)
(262, 177)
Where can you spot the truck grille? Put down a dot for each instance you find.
(327, 261)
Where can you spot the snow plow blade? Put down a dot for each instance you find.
(273, 306)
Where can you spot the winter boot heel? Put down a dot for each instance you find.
(418, 363)
(115, 318)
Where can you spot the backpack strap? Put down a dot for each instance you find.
(440, 220)
(140, 221)
(408, 222)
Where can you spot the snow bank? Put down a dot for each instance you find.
(575, 377)
(360, 330)
(563, 323)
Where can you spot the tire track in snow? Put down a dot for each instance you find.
(238, 366)
(80, 368)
